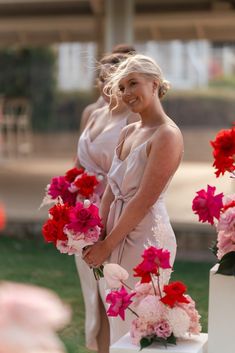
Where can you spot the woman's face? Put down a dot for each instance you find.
(137, 91)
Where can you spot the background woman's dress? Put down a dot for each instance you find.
(96, 157)
(124, 178)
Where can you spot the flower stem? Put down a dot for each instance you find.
(133, 312)
(158, 284)
(155, 292)
(126, 285)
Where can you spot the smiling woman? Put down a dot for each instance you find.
(147, 155)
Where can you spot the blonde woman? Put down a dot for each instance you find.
(147, 155)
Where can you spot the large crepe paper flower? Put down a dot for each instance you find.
(2, 218)
(119, 301)
(115, 275)
(86, 184)
(224, 151)
(29, 319)
(174, 294)
(154, 259)
(207, 205)
(160, 257)
(71, 174)
(53, 228)
(59, 187)
(83, 217)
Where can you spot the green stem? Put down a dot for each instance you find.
(133, 312)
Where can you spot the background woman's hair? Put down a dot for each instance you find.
(141, 64)
(124, 49)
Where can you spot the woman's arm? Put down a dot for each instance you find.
(163, 159)
(106, 201)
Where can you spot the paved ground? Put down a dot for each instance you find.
(22, 184)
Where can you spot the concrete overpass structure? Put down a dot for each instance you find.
(43, 22)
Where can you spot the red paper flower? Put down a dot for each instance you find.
(119, 301)
(86, 184)
(174, 294)
(224, 151)
(207, 205)
(53, 229)
(71, 174)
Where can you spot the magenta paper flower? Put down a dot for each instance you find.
(60, 187)
(157, 256)
(83, 218)
(119, 301)
(207, 205)
(154, 259)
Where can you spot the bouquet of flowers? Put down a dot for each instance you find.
(76, 185)
(72, 228)
(219, 210)
(163, 313)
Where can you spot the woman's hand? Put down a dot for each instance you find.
(95, 255)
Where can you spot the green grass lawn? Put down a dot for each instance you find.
(32, 261)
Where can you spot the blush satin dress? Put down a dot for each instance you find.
(96, 157)
(124, 178)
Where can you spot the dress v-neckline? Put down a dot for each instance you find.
(102, 132)
(134, 149)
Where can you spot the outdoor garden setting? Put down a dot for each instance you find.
(33, 261)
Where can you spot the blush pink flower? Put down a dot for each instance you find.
(190, 309)
(115, 275)
(207, 205)
(226, 243)
(140, 328)
(119, 301)
(227, 220)
(162, 329)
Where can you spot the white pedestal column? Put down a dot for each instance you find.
(221, 328)
(194, 344)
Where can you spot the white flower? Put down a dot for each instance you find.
(179, 321)
(150, 308)
(115, 275)
(87, 203)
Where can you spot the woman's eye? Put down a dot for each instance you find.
(121, 89)
(132, 83)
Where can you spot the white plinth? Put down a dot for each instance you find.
(221, 325)
(194, 344)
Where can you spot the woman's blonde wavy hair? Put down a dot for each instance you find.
(136, 63)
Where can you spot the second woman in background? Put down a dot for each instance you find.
(95, 153)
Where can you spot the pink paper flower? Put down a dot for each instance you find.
(119, 301)
(226, 243)
(115, 275)
(190, 309)
(207, 205)
(160, 257)
(139, 329)
(154, 259)
(60, 187)
(162, 329)
(83, 218)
